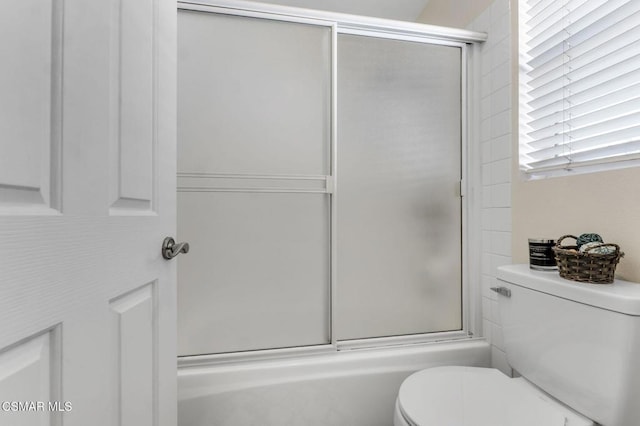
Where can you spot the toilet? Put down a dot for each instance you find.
(575, 348)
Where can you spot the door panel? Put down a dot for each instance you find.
(87, 195)
(253, 159)
(133, 78)
(28, 369)
(399, 162)
(135, 324)
(29, 123)
(258, 273)
(258, 105)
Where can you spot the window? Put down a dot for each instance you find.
(579, 85)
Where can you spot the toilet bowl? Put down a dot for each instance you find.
(576, 346)
(472, 396)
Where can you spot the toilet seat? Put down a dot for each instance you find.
(472, 396)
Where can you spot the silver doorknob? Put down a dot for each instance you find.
(171, 249)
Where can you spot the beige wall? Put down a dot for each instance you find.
(452, 13)
(607, 203)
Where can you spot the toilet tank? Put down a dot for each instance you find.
(578, 342)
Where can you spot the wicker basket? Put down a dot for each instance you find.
(586, 267)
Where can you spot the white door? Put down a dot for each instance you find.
(87, 195)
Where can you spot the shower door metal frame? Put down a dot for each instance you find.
(379, 28)
(465, 332)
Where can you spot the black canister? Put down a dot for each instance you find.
(541, 255)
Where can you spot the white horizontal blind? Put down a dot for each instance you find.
(579, 84)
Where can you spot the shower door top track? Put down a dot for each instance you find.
(344, 22)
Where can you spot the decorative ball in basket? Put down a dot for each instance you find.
(590, 260)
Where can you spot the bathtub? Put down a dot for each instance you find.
(345, 388)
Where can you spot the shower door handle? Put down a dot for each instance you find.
(171, 249)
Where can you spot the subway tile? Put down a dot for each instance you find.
(489, 43)
(486, 174)
(483, 21)
(495, 312)
(483, 49)
(486, 264)
(487, 328)
(486, 108)
(501, 195)
(496, 150)
(500, 99)
(486, 308)
(501, 171)
(499, 36)
(492, 214)
(485, 130)
(485, 85)
(485, 148)
(495, 130)
(487, 197)
(501, 52)
(496, 336)
(487, 219)
(499, 361)
(501, 124)
(501, 27)
(490, 37)
(500, 76)
(487, 283)
(498, 260)
(485, 60)
(498, 8)
(501, 147)
(501, 243)
(497, 243)
(486, 241)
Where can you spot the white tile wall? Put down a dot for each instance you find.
(495, 138)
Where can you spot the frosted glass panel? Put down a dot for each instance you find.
(399, 214)
(257, 273)
(253, 95)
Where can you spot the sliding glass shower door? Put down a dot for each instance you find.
(399, 215)
(318, 184)
(253, 153)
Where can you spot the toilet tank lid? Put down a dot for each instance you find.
(621, 296)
